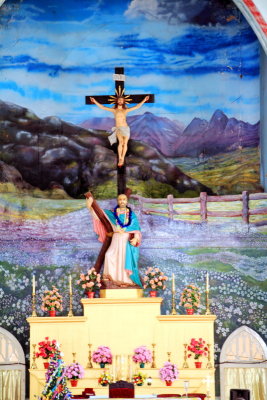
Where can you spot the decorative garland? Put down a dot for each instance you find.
(118, 220)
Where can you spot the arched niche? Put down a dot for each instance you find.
(244, 356)
(12, 367)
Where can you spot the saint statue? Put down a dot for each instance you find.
(121, 258)
(121, 131)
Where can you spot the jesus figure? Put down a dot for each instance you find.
(121, 131)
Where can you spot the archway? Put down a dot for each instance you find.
(12, 367)
(243, 364)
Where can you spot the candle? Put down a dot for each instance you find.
(207, 282)
(70, 284)
(33, 284)
(173, 283)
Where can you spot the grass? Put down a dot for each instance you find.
(213, 266)
(226, 173)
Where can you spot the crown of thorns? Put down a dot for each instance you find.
(119, 93)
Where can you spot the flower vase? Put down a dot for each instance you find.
(74, 382)
(90, 295)
(142, 365)
(52, 313)
(153, 293)
(198, 364)
(102, 365)
(168, 383)
(139, 384)
(46, 364)
(189, 311)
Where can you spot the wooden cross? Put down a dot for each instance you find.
(119, 79)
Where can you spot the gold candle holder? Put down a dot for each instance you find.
(34, 305)
(169, 355)
(33, 366)
(185, 364)
(209, 364)
(173, 311)
(89, 364)
(70, 314)
(74, 356)
(207, 303)
(153, 364)
(128, 378)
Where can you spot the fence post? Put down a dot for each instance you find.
(140, 206)
(170, 206)
(203, 206)
(245, 206)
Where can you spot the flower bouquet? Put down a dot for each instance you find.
(73, 372)
(168, 373)
(104, 379)
(52, 301)
(154, 280)
(199, 349)
(142, 355)
(190, 298)
(139, 379)
(90, 282)
(102, 355)
(47, 349)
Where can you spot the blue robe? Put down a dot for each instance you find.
(132, 252)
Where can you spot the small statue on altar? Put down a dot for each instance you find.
(121, 258)
(121, 131)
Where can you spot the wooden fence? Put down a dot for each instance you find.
(204, 199)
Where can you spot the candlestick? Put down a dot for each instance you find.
(74, 355)
(185, 364)
(34, 305)
(173, 311)
(89, 364)
(209, 364)
(186, 386)
(70, 284)
(169, 355)
(207, 303)
(33, 284)
(70, 313)
(33, 366)
(153, 365)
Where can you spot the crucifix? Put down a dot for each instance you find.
(119, 79)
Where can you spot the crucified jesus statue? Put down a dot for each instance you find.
(121, 131)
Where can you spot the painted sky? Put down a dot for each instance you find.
(195, 56)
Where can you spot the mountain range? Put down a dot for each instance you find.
(201, 137)
(50, 152)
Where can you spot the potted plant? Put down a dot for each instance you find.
(168, 373)
(51, 301)
(73, 372)
(154, 280)
(102, 355)
(190, 298)
(104, 379)
(139, 379)
(199, 349)
(47, 349)
(142, 355)
(90, 282)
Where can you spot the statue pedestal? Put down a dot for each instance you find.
(123, 320)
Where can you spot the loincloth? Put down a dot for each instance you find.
(122, 130)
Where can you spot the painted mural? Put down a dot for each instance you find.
(201, 61)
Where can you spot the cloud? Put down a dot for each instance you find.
(175, 12)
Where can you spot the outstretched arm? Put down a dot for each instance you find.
(138, 105)
(100, 105)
